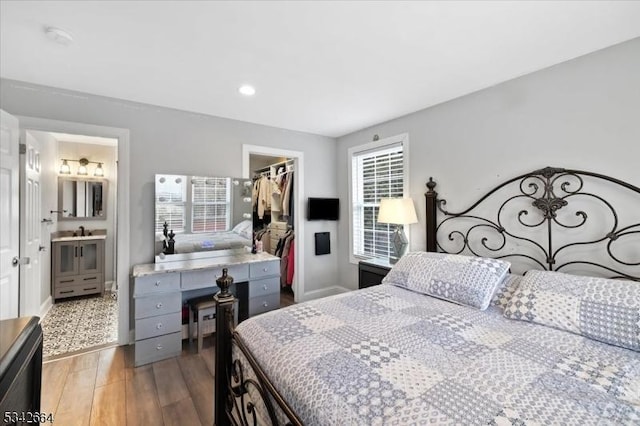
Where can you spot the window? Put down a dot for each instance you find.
(171, 197)
(202, 206)
(211, 204)
(378, 170)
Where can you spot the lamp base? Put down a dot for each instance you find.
(400, 243)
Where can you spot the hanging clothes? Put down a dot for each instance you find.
(284, 259)
(291, 262)
(263, 199)
(286, 198)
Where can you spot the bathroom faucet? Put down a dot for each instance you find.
(82, 231)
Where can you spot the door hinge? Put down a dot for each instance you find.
(23, 148)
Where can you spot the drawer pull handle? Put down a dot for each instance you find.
(157, 283)
(66, 281)
(159, 326)
(159, 305)
(265, 304)
(65, 292)
(90, 278)
(90, 288)
(265, 269)
(159, 348)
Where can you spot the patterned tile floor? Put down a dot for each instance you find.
(80, 323)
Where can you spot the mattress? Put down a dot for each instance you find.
(386, 355)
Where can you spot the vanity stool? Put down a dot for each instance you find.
(203, 307)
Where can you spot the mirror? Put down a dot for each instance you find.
(201, 216)
(80, 198)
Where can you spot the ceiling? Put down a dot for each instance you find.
(328, 68)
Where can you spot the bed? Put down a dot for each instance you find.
(238, 237)
(557, 345)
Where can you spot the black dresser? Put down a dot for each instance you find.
(20, 369)
(372, 271)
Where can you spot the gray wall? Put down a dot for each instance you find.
(582, 114)
(177, 142)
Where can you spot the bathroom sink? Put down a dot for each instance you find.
(95, 234)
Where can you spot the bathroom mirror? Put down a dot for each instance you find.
(80, 198)
(201, 216)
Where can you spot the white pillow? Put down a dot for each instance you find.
(244, 229)
(465, 280)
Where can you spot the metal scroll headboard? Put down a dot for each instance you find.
(553, 218)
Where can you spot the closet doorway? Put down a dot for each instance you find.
(278, 212)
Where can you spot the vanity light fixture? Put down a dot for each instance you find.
(82, 169)
(64, 168)
(247, 90)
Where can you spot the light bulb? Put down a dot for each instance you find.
(64, 168)
(99, 171)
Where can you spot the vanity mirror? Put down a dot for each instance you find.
(200, 216)
(80, 198)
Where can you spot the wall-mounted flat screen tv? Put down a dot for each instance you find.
(323, 209)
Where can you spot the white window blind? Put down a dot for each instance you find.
(211, 204)
(171, 196)
(376, 174)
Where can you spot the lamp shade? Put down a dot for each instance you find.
(399, 211)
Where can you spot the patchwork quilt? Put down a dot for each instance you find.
(387, 355)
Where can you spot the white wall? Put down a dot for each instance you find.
(582, 114)
(164, 140)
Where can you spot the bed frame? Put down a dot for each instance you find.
(541, 222)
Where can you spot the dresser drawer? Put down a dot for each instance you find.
(158, 348)
(264, 269)
(276, 234)
(158, 304)
(77, 290)
(259, 288)
(282, 226)
(157, 283)
(156, 326)
(258, 305)
(207, 277)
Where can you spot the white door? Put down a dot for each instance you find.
(30, 226)
(9, 215)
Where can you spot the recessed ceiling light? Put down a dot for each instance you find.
(59, 35)
(247, 90)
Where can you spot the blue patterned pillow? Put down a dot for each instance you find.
(464, 280)
(598, 308)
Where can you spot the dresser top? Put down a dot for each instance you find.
(195, 264)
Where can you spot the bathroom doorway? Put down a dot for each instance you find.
(73, 223)
(109, 202)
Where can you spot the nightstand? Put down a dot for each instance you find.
(372, 271)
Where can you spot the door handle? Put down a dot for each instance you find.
(20, 261)
(81, 247)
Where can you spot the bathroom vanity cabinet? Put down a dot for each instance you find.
(77, 266)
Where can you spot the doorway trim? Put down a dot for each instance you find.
(123, 262)
(298, 222)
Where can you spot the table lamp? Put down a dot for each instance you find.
(399, 212)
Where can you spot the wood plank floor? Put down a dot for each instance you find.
(103, 388)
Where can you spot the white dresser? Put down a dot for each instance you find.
(276, 231)
(159, 290)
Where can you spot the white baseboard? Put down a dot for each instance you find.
(109, 285)
(46, 305)
(324, 292)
